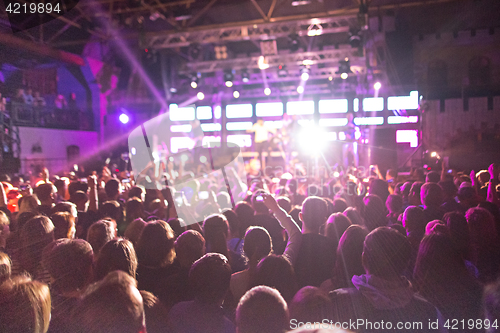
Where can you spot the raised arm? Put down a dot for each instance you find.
(93, 197)
(492, 191)
(286, 221)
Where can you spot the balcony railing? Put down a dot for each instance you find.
(49, 117)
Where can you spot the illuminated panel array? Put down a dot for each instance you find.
(305, 122)
(333, 106)
(402, 120)
(333, 122)
(274, 124)
(300, 107)
(407, 136)
(180, 128)
(369, 121)
(211, 127)
(217, 112)
(269, 109)
(403, 102)
(239, 110)
(178, 114)
(331, 136)
(204, 112)
(180, 143)
(373, 104)
(242, 140)
(239, 125)
(355, 104)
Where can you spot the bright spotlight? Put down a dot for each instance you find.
(344, 76)
(300, 89)
(304, 74)
(377, 85)
(433, 154)
(124, 118)
(267, 91)
(236, 94)
(194, 85)
(200, 96)
(313, 139)
(229, 84)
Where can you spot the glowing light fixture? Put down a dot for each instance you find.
(377, 86)
(236, 94)
(300, 89)
(124, 118)
(267, 91)
(200, 96)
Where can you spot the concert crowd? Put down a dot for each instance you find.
(347, 251)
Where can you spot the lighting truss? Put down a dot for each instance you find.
(171, 39)
(317, 57)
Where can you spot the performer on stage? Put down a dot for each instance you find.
(350, 146)
(261, 131)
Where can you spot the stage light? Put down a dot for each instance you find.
(294, 42)
(282, 71)
(354, 38)
(300, 89)
(313, 139)
(236, 94)
(124, 118)
(344, 68)
(200, 96)
(433, 154)
(304, 73)
(245, 77)
(173, 90)
(267, 91)
(194, 81)
(330, 78)
(228, 78)
(262, 62)
(377, 85)
(314, 30)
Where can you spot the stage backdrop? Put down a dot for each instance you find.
(54, 148)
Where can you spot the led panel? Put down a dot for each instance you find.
(239, 110)
(269, 109)
(180, 128)
(217, 112)
(305, 122)
(300, 107)
(180, 142)
(369, 121)
(242, 140)
(403, 102)
(402, 119)
(204, 112)
(355, 105)
(331, 136)
(407, 136)
(274, 124)
(373, 104)
(178, 114)
(333, 122)
(211, 127)
(239, 125)
(333, 106)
